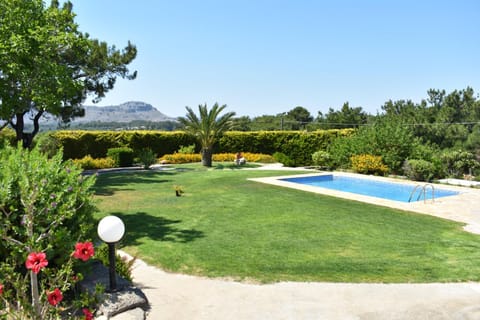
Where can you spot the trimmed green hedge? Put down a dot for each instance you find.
(123, 156)
(77, 144)
(297, 145)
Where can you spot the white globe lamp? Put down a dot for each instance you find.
(111, 230)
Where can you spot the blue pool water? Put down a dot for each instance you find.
(370, 187)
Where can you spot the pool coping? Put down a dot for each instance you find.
(464, 207)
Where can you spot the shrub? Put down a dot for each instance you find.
(223, 157)
(123, 156)
(147, 158)
(322, 159)
(368, 164)
(7, 137)
(393, 141)
(459, 162)
(283, 159)
(88, 162)
(48, 144)
(177, 158)
(123, 267)
(46, 206)
(419, 170)
(258, 157)
(187, 149)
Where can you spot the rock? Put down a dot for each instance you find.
(127, 303)
(134, 314)
(121, 301)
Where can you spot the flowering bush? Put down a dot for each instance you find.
(88, 314)
(45, 207)
(88, 162)
(368, 164)
(84, 251)
(36, 261)
(181, 158)
(177, 158)
(54, 297)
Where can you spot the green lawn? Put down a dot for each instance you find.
(226, 226)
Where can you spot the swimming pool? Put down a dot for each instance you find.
(374, 188)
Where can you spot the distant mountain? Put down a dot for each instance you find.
(126, 112)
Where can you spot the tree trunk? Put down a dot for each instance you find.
(26, 137)
(207, 157)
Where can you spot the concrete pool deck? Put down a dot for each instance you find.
(464, 207)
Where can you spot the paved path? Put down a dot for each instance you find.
(177, 297)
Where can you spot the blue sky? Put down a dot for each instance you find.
(269, 56)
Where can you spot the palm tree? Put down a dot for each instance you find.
(207, 128)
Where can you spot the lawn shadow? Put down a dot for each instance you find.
(141, 224)
(108, 183)
(233, 166)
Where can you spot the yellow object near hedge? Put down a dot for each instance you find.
(368, 164)
(178, 158)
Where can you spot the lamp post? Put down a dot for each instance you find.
(111, 229)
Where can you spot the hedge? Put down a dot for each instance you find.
(297, 145)
(78, 144)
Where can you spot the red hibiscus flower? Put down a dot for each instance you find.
(84, 251)
(1, 288)
(54, 297)
(36, 261)
(88, 314)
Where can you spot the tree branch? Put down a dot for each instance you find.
(36, 126)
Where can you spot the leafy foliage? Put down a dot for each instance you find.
(88, 162)
(77, 143)
(393, 141)
(48, 144)
(181, 158)
(45, 206)
(147, 157)
(49, 66)
(177, 158)
(283, 159)
(187, 149)
(419, 170)
(346, 117)
(123, 266)
(368, 164)
(297, 145)
(459, 162)
(123, 156)
(322, 159)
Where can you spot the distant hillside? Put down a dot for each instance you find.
(126, 112)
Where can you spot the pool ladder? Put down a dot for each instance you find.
(423, 190)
